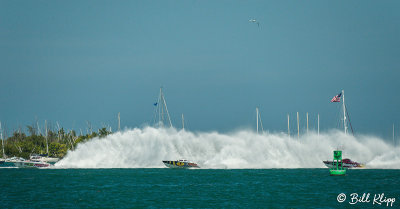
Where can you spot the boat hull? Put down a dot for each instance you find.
(31, 164)
(7, 164)
(181, 165)
(44, 158)
(331, 164)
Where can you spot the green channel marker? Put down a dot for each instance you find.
(338, 169)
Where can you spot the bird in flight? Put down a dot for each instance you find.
(255, 21)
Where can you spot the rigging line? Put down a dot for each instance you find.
(156, 112)
(348, 116)
(262, 128)
(338, 118)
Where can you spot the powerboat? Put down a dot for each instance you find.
(9, 162)
(182, 163)
(31, 164)
(44, 158)
(347, 163)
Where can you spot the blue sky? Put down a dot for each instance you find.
(81, 61)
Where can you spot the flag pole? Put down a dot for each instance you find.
(344, 115)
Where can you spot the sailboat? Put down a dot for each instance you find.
(7, 162)
(161, 114)
(346, 163)
(36, 160)
(45, 157)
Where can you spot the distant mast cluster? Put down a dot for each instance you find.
(334, 99)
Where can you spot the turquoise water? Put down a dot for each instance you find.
(196, 188)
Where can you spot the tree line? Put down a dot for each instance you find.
(59, 142)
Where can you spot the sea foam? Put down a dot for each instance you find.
(148, 147)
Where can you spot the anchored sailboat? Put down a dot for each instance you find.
(259, 120)
(345, 112)
(338, 163)
(161, 114)
(36, 159)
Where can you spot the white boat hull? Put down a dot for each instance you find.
(345, 165)
(31, 164)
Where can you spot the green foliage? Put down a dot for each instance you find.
(58, 150)
(103, 132)
(60, 142)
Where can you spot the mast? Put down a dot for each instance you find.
(257, 118)
(393, 136)
(318, 124)
(39, 132)
(288, 123)
(47, 142)
(298, 126)
(344, 115)
(2, 140)
(183, 122)
(119, 122)
(162, 110)
(307, 122)
(166, 109)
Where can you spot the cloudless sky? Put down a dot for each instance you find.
(77, 61)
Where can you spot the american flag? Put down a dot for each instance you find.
(336, 98)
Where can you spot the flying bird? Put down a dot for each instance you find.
(255, 21)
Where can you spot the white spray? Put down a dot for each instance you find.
(148, 147)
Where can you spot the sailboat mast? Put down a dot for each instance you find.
(288, 123)
(344, 114)
(47, 142)
(318, 124)
(162, 109)
(166, 110)
(119, 122)
(257, 118)
(37, 124)
(183, 122)
(159, 105)
(307, 123)
(298, 126)
(2, 140)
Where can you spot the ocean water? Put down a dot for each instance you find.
(240, 169)
(194, 188)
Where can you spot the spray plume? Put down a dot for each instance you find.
(148, 147)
